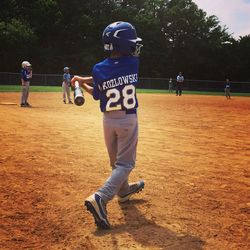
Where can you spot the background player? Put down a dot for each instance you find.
(26, 76)
(170, 85)
(66, 85)
(179, 83)
(115, 80)
(227, 89)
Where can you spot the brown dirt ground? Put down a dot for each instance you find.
(193, 153)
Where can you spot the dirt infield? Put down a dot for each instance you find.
(193, 153)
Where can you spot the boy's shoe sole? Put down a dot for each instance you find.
(96, 206)
(138, 186)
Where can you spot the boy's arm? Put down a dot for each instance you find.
(83, 82)
(64, 79)
(30, 74)
(88, 88)
(81, 79)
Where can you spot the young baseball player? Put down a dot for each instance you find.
(170, 85)
(227, 89)
(66, 85)
(179, 82)
(115, 80)
(26, 76)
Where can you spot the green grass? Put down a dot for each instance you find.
(188, 92)
(17, 88)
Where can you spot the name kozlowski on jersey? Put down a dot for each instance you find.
(122, 80)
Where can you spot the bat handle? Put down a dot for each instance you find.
(76, 84)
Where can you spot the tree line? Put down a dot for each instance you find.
(177, 36)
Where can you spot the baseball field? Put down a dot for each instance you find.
(193, 153)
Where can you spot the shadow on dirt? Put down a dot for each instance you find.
(147, 233)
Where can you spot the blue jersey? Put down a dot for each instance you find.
(115, 82)
(66, 78)
(227, 85)
(26, 75)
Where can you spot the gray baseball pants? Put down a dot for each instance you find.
(121, 136)
(25, 92)
(66, 91)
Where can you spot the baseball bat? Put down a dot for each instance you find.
(78, 95)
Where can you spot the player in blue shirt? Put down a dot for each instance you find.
(227, 89)
(66, 85)
(26, 76)
(115, 80)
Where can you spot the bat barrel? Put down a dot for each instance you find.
(78, 95)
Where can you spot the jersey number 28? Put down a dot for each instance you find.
(128, 98)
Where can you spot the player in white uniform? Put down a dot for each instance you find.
(115, 80)
(179, 83)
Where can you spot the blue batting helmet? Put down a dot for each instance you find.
(25, 64)
(121, 37)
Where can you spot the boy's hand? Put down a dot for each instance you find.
(73, 80)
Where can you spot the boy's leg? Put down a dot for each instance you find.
(121, 141)
(127, 136)
(180, 91)
(127, 153)
(110, 138)
(226, 92)
(23, 94)
(111, 144)
(64, 92)
(27, 92)
(68, 93)
(96, 203)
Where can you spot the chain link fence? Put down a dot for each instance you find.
(7, 78)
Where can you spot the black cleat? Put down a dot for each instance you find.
(97, 207)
